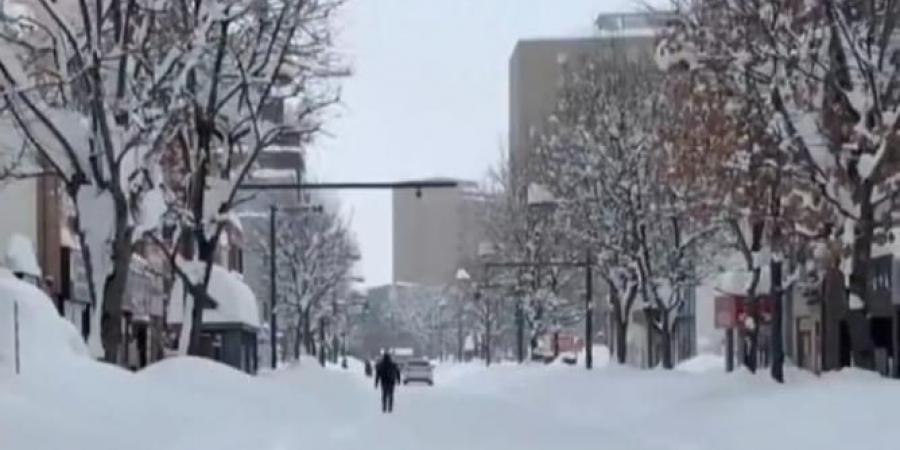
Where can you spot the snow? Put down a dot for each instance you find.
(189, 403)
(538, 194)
(151, 212)
(20, 257)
(274, 174)
(94, 208)
(855, 302)
(701, 363)
(66, 239)
(866, 165)
(44, 337)
(235, 301)
(737, 282)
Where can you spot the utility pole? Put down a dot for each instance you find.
(16, 333)
(520, 330)
(460, 339)
(487, 337)
(588, 312)
(273, 321)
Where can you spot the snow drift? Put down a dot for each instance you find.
(43, 336)
(235, 302)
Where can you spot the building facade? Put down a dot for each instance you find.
(435, 233)
(536, 70)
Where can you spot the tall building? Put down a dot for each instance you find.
(536, 74)
(435, 232)
(537, 67)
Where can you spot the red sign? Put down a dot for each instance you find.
(726, 311)
(732, 310)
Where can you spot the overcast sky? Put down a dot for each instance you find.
(428, 96)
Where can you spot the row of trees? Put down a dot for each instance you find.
(812, 91)
(766, 128)
(315, 253)
(150, 114)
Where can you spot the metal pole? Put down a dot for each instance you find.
(16, 333)
(729, 349)
(520, 332)
(588, 314)
(895, 335)
(273, 321)
(459, 330)
(487, 338)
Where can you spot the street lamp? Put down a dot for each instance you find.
(462, 278)
(539, 196)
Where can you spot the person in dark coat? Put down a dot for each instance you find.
(387, 375)
(368, 368)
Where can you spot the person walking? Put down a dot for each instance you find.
(387, 375)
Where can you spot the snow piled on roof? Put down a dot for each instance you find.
(274, 174)
(235, 302)
(44, 337)
(20, 256)
(737, 282)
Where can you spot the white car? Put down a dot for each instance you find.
(418, 370)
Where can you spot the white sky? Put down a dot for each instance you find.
(428, 96)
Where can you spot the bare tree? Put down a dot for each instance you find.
(257, 56)
(93, 90)
(603, 155)
(315, 254)
(531, 235)
(826, 72)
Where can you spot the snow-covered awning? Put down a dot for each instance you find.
(67, 238)
(20, 257)
(235, 302)
(737, 282)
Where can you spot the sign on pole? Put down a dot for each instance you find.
(16, 332)
(726, 312)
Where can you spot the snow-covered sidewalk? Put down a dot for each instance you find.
(195, 404)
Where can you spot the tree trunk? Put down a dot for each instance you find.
(298, 336)
(555, 344)
(621, 341)
(206, 252)
(751, 338)
(322, 345)
(307, 333)
(111, 325)
(777, 335)
(115, 284)
(861, 276)
(200, 297)
(487, 338)
(666, 335)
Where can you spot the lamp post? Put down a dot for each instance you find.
(539, 196)
(462, 278)
(273, 292)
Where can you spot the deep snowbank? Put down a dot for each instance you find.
(195, 404)
(703, 362)
(43, 336)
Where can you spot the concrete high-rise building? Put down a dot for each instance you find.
(537, 69)
(536, 72)
(435, 232)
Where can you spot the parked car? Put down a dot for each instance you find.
(570, 358)
(418, 370)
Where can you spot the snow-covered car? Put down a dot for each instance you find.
(570, 358)
(418, 370)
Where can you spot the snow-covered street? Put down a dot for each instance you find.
(187, 403)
